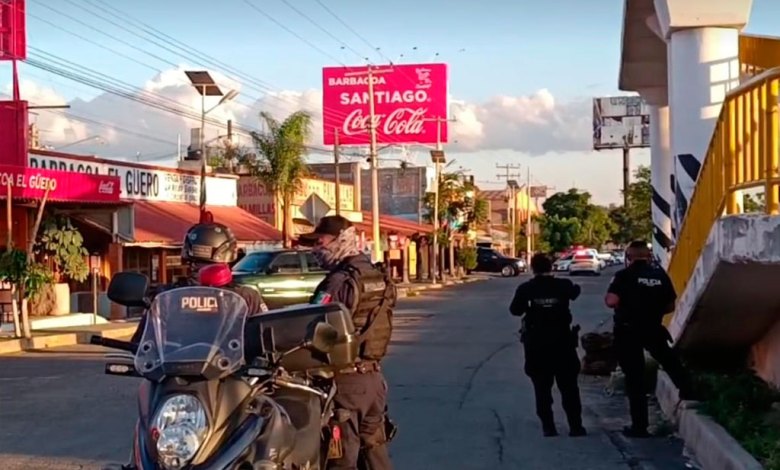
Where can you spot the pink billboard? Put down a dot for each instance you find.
(408, 101)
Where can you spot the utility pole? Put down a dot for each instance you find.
(230, 145)
(378, 255)
(626, 170)
(513, 197)
(336, 150)
(528, 228)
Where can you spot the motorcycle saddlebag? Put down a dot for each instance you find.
(284, 329)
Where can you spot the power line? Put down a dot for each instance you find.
(324, 30)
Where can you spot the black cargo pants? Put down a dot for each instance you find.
(561, 366)
(364, 395)
(630, 345)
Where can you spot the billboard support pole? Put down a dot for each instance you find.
(336, 163)
(378, 255)
(626, 175)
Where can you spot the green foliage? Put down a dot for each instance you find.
(755, 203)
(15, 268)
(458, 200)
(743, 404)
(467, 257)
(634, 222)
(570, 218)
(64, 245)
(281, 163)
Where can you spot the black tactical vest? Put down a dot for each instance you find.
(373, 314)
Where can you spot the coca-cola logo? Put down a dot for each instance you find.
(400, 122)
(106, 187)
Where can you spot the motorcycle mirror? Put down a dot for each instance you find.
(323, 337)
(129, 289)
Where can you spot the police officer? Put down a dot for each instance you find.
(550, 344)
(641, 294)
(367, 291)
(206, 244)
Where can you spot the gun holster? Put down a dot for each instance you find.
(391, 429)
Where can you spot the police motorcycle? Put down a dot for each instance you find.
(222, 390)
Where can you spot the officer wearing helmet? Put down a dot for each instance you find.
(207, 244)
(369, 293)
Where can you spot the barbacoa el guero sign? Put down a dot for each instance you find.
(136, 182)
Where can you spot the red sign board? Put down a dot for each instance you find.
(13, 133)
(32, 183)
(409, 99)
(13, 30)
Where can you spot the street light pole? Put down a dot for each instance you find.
(378, 255)
(528, 227)
(437, 183)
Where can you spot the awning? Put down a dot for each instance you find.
(165, 223)
(388, 223)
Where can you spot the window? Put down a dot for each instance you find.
(288, 263)
(138, 260)
(254, 262)
(312, 264)
(584, 258)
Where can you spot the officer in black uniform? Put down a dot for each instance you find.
(641, 294)
(206, 244)
(550, 344)
(369, 293)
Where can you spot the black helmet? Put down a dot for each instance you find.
(209, 243)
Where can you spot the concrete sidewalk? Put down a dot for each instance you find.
(44, 339)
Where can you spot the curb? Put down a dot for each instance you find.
(67, 337)
(404, 291)
(712, 445)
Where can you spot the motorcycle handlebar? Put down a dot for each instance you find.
(113, 344)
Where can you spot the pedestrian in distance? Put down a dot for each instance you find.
(367, 291)
(640, 295)
(550, 343)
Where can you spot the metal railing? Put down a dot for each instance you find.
(758, 53)
(744, 153)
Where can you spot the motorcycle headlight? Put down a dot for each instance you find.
(180, 426)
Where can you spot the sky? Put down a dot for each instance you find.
(523, 72)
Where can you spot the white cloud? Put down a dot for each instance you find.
(534, 124)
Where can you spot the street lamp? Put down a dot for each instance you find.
(206, 86)
(513, 187)
(438, 158)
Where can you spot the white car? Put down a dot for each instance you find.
(562, 264)
(585, 263)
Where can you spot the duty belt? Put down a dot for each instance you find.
(362, 367)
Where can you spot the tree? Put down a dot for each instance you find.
(635, 222)
(459, 204)
(570, 218)
(281, 165)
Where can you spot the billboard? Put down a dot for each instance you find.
(408, 101)
(13, 33)
(620, 121)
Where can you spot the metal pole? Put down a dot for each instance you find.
(338, 173)
(378, 255)
(528, 233)
(202, 149)
(513, 220)
(94, 295)
(626, 177)
(437, 172)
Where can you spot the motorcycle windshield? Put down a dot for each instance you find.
(195, 332)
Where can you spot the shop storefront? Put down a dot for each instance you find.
(159, 204)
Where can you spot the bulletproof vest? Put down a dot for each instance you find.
(643, 302)
(548, 308)
(373, 312)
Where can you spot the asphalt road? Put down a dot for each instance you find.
(458, 394)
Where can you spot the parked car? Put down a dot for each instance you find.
(283, 278)
(607, 258)
(492, 261)
(620, 257)
(562, 263)
(585, 262)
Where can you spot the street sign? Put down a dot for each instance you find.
(314, 209)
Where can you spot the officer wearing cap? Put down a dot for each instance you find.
(641, 294)
(368, 292)
(550, 344)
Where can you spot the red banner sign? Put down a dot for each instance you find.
(13, 30)
(32, 183)
(409, 99)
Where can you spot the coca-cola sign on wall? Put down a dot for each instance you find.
(408, 100)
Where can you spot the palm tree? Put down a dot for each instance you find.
(281, 165)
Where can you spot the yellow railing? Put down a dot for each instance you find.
(744, 153)
(758, 53)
